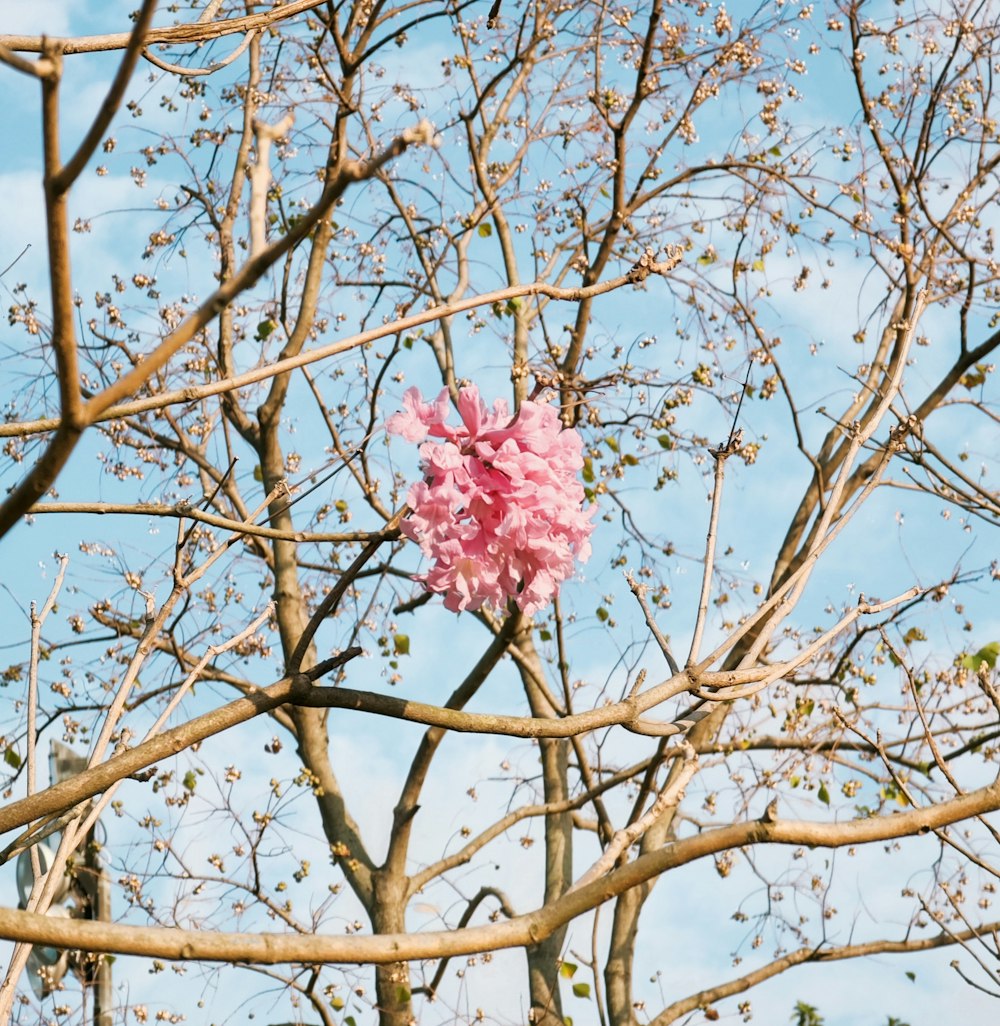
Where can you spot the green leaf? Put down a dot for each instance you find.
(806, 1015)
(567, 969)
(190, 780)
(337, 1003)
(987, 654)
(757, 265)
(258, 474)
(340, 506)
(823, 794)
(546, 636)
(611, 443)
(665, 441)
(350, 1021)
(402, 995)
(911, 976)
(629, 460)
(408, 342)
(914, 634)
(973, 379)
(581, 990)
(11, 757)
(401, 644)
(602, 614)
(264, 329)
(588, 470)
(485, 230)
(775, 151)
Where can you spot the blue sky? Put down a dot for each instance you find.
(877, 554)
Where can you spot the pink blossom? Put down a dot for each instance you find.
(499, 511)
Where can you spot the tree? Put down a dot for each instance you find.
(556, 201)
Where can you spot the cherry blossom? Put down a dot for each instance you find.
(499, 512)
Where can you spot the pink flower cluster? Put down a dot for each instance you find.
(499, 510)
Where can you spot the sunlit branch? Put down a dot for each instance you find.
(180, 69)
(41, 68)
(670, 795)
(863, 608)
(260, 177)
(196, 392)
(708, 569)
(185, 511)
(42, 884)
(45, 471)
(195, 32)
(525, 929)
(639, 590)
(484, 892)
(68, 174)
(465, 854)
(806, 956)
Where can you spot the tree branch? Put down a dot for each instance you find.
(196, 32)
(531, 928)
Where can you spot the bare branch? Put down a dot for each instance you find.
(179, 69)
(260, 178)
(805, 956)
(68, 174)
(529, 928)
(196, 32)
(403, 324)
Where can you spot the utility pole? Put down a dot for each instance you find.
(94, 972)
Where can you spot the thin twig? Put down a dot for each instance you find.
(670, 795)
(193, 393)
(194, 32)
(69, 173)
(336, 593)
(42, 885)
(180, 69)
(639, 590)
(27, 246)
(83, 828)
(529, 928)
(37, 621)
(709, 568)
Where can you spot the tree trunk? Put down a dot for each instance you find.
(544, 958)
(628, 907)
(392, 981)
